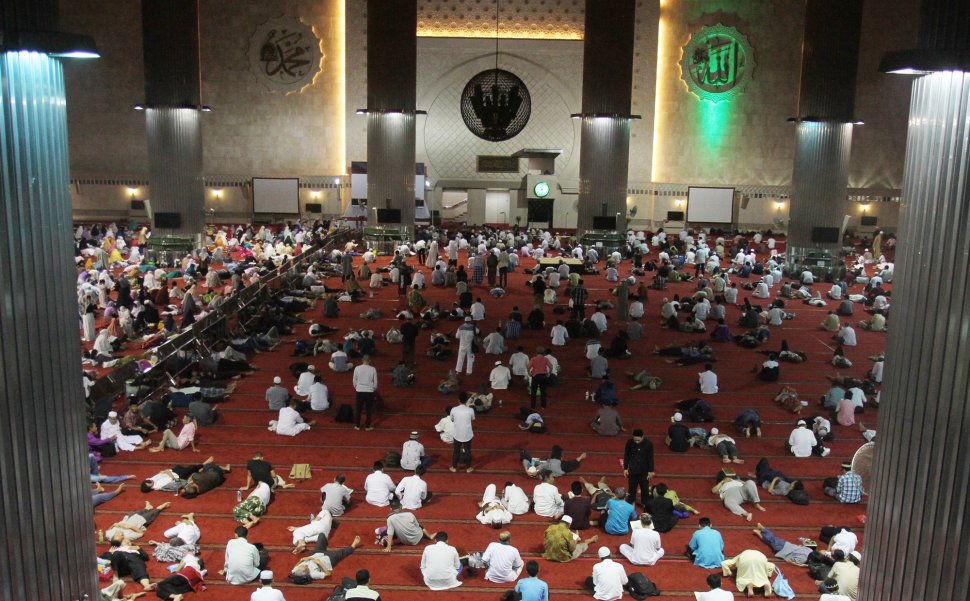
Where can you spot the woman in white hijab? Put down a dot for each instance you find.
(493, 510)
(102, 346)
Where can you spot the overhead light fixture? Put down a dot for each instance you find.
(139, 107)
(391, 111)
(206, 108)
(604, 116)
(336, 181)
(315, 194)
(53, 43)
(923, 62)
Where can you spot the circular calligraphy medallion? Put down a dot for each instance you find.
(285, 54)
(495, 105)
(717, 63)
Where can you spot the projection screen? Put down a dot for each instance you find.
(276, 195)
(710, 205)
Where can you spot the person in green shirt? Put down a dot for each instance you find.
(561, 544)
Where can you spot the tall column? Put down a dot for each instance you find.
(823, 138)
(604, 155)
(170, 31)
(46, 523)
(915, 543)
(391, 107)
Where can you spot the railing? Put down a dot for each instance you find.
(215, 325)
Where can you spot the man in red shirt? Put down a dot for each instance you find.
(539, 369)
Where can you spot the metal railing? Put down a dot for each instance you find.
(215, 325)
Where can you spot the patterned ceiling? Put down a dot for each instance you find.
(533, 19)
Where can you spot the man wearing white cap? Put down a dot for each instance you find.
(111, 430)
(276, 396)
(608, 578)
(305, 380)
(803, 443)
(266, 592)
(466, 336)
(500, 377)
(412, 453)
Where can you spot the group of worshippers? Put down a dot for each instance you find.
(441, 563)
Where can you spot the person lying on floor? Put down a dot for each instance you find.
(133, 525)
(128, 559)
(734, 493)
(188, 577)
(725, 446)
(203, 480)
(322, 562)
(319, 527)
(772, 480)
(555, 464)
(182, 539)
(249, 511)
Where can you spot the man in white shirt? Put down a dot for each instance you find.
(477, 310)
(519, 362)
(546, 498)
(319, 395)
(462, 417)
(412, 453)
(289, 422)
(802, 441)
(504, 562)
(846, 541)
(379, 487)
(716, 593)
(412, 490)
(846, 335)
(500, 377)
(644, 548)
(608, 578)
(599, 318)
(440, 564)
(242, 559)
(494, 343)
(707, 380)
(302, 387)
(515, 499)
(445, 427)
(365, 387)
(266, 592)
(559, 334)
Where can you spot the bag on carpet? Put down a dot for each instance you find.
(798, 496)
(697, 410)
(392, 459)
(393, 336)
(640, 587)
(344, 415)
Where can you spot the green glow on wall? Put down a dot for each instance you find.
(714, 118)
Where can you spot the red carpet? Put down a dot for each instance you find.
(333, 448)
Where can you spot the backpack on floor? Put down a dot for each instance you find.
(640, 587)
(344, 415)
(392, 459)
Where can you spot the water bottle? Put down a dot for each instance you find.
(100, 536)
(587, 395)
(238, 496)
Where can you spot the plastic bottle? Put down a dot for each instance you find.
(238, 496)
(587, 395)
(100, 536)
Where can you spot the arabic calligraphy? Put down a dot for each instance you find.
(285, 54)
(717, 63)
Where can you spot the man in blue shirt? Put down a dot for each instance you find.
(619, 513)
(706, 546)
(531, 588)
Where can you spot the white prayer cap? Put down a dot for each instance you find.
(678, 416)
(277, 380)
(498, 363)
(112, 414)
(801, 422)
(857, 555)
(567, 519)
(714, 431)
(266, 575)
(603, 552)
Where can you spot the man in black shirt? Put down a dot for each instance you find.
(409, 334)
(678, 435)
(578, 296)
(260, 470)
(638, 466)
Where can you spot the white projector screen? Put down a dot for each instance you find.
(710, 205)
(276, 195)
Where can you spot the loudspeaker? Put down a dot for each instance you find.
(744, 201)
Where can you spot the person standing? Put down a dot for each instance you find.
(462, 416)
(409, 334)
(539, 370)
(266, 592)
(638, 466)
(578, 296)
(466, 341)
(365, 387)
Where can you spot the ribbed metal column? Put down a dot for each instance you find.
(603, 169)
(392, 55)
(390, 167)
(819, 180)
(823, 141)
(46, 523)
(175, 166)
(916, 546)
(607, 92)
(170, 31)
